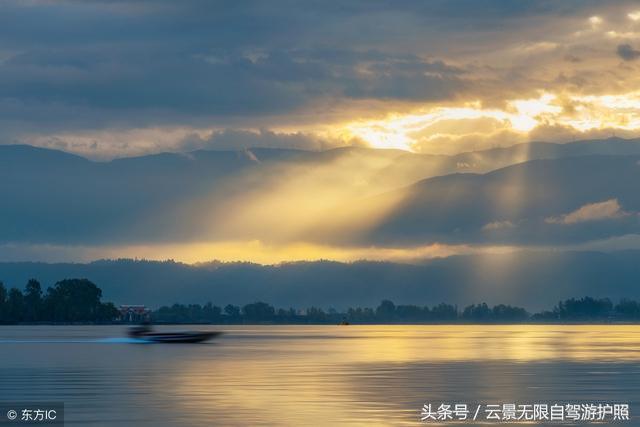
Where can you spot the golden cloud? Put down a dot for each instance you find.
(445, 130)
(608, 209)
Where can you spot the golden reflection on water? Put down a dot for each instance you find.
(324, 375)
(315, 375)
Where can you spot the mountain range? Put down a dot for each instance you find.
(534, 280)
(550, 202)
(535, 193)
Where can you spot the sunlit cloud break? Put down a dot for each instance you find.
(578, 114)
(434, 130)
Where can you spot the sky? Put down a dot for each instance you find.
(110, 79)
(119, 79)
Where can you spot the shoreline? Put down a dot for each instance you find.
(586, 323)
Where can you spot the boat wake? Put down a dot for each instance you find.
(116, 340)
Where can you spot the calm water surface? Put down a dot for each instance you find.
(315, 375)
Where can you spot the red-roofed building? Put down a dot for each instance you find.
(134, 313)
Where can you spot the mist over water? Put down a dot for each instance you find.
(316, 375)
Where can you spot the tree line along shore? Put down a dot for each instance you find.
(80, 301)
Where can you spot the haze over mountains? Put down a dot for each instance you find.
(536, 193)
(542, 207)
(559, 201)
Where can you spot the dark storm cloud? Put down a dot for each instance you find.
(125, 60)
(87, 64)
(627, 52)
(121, 82)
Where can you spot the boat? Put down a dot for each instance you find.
(187, 337)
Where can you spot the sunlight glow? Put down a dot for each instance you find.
(595, 20)
(254, 251)
(576, 113)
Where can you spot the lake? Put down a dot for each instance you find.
(316, 375)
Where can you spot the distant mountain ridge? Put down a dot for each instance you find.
(534, 149)
(55, 197)
(540, 194)
(523, 204)
(532, 279)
